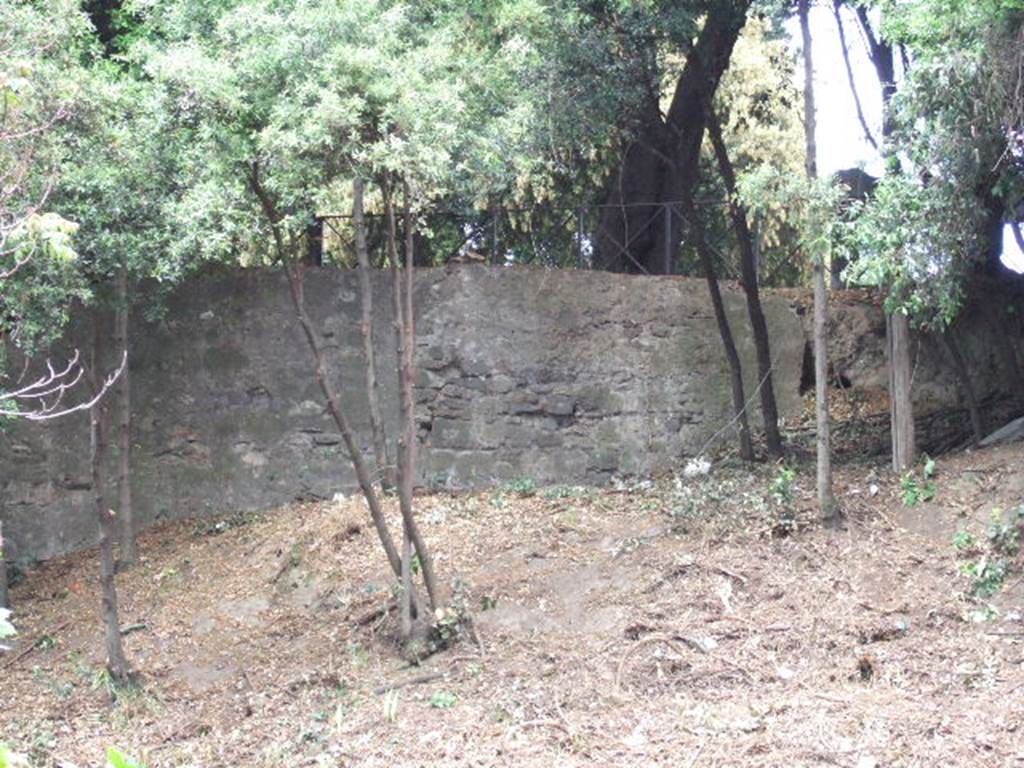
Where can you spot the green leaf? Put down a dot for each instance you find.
(117, 759)
(443, 700)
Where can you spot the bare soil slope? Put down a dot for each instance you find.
(676, 623)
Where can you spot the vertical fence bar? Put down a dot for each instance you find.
(495, 223)
(667, 208)
(580, 213)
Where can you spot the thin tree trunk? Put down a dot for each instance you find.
(365, 480)
(826, 500)
(661, 165)
(1018, 237)
(128, 552)
(904, 441)
(748, 271)
(405, 597)
(293, 270)
(881, 55)
(810, 116)
(966, 384)
(837, 10)
(405, 341)
(5, 601)
(739, 400)
(494, 257)
(385, 468)
(117, 665)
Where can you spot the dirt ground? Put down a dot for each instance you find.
(680, 623)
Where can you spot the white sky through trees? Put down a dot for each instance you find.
(840, 137)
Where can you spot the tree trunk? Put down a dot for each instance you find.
(810, 115)
(748, 271)
(881, 55)
(826, 500)
(837, 6)
(405, 596)
(128, 552)
(294, 272)
(315, 243)
(963, 375)
(626, 224)
(366, 485)
(405, 342)
(1013, 375)
(660, 165)
(385, 469)
(904, 443)
(117, 665)
(739, 400)
(5, 601)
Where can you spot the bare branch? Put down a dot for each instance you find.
(836, 10)
(45, 396)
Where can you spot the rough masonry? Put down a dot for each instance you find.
(559, 376)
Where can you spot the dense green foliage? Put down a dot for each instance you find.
(40, 89)
(936, 222)
(167, 134)
(277, 106)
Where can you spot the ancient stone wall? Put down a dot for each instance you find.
(559, 376)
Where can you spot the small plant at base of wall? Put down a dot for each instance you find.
(988, 562)
(917, 489)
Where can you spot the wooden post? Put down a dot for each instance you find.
(904, 448)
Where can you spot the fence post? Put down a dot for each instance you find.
(315, 242)
(579, 237)
(668, 238)
(495, 223)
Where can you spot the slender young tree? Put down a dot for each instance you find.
(128, 553)
(385, 469)
(270, 143)
(748, 272)
(117, 664)
(739, 400)
(826, 499)
(402, 285)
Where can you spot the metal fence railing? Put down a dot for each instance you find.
(639, 237)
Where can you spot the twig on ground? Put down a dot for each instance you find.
(696, 755)
(675, 643)
(33, 645)
(540, 723)
(418, 680)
